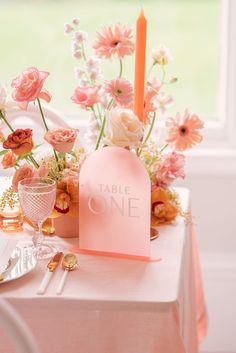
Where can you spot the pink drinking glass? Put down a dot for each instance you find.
(37, 198)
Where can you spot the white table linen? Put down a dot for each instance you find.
(118, 305)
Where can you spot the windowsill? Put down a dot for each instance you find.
(211, 162)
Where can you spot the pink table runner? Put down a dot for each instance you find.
(117, 305)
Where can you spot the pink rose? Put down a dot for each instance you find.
(25, 171)
(28, 86)
(86, 97)
(8, 160)
(61, 139)
(170, 169)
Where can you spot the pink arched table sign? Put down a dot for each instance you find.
(114, 205)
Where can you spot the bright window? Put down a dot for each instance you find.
(32, 35)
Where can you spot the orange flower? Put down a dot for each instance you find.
(71, 184)
(62, 201)
(20, 142)
(67, 193)
(163, 211)
(8, 160)
(183, 133)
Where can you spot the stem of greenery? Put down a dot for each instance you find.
(163, 75)
(150, 70)
(96, 116)
(5, 121)
(83, 52)
(46, 127)
(110, 104)
(149, 133)
(42, 115)
(164, 147)
(121, 68)
(33, 161)
(101, 133)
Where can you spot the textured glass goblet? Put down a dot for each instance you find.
(37, 198)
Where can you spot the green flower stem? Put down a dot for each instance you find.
(83, 52)
(163, 75)
(85, 59)
(148, 134)
(164, 147)
(150, 129)
(121, 68)
(94, 111)
(101, 133)
(150, 70)
(41, 112)
(5, 121)
(47, 129)
(110, 104)
(31, 158)
(99, 111)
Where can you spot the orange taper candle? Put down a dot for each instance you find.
(140, 58)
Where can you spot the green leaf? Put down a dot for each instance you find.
(37, 146)
(3, 152)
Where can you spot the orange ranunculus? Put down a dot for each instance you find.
(20, 142)
(67, 198)
(62, 202)
(163, 211)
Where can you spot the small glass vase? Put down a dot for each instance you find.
(11, 219)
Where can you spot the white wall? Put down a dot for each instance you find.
(214, 210)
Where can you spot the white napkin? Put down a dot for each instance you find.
(6, 248)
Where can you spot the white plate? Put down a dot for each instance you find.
(22, 261)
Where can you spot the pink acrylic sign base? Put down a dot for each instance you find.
(76, 249)
(114, 216)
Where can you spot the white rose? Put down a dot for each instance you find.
(162, 55)
(123, 128)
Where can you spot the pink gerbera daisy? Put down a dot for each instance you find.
(183, 132)
(114, 41)
(121, 91)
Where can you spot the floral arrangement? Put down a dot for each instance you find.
(111, 122)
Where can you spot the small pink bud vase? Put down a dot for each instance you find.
(114, 216)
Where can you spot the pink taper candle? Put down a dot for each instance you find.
(140, 58)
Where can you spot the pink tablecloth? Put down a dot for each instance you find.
(117, 305)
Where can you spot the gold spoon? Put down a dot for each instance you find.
(69, 263)
(154, 234)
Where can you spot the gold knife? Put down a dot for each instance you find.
(51, 267)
